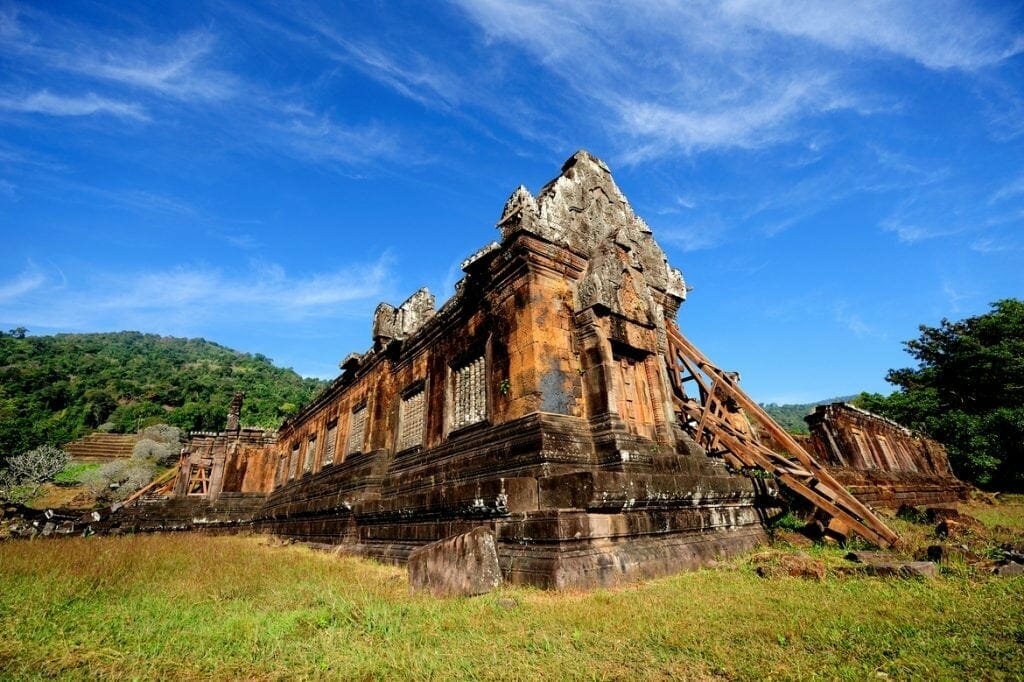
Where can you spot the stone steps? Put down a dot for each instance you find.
(102, 447)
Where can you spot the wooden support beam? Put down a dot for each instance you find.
(162, 478)
(801, 473)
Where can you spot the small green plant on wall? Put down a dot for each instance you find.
(505, 387)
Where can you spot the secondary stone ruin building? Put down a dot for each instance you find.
(537, 403)
(881, 462)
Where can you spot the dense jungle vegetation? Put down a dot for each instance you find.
(54, 389)
(790, 416)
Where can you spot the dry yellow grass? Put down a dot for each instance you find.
(189, 606)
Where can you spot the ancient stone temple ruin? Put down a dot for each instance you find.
(880, 461)
(546, 401)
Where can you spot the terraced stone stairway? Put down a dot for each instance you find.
(102, 447)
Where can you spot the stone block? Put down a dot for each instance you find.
(944, 553)
(462, 565)
(1009, 570)
(938, 514)
(886, 565)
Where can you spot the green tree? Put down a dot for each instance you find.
(967, 392)
(99, 405)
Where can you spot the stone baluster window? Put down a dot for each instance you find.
(410, 421)
(310, 454)
(357, 431)
(293, 463)
(280, 476)
(469, 394)
(331, 443)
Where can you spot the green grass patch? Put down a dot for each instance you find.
(1008, 512)
(187, 606)
(788, 521)
(72, 474)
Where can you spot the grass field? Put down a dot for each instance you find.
(187, 606)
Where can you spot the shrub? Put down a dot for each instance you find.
(26, 472)
(162, 433)
(163, 454)
(788, 521)
(159, 447)
(117, 480)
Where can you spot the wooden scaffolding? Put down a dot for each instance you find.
(712, 415)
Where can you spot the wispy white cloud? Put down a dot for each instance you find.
(1011, 190)
(239, 240)
(995, 245)
(56, 186)
(852, 321)
(690, 76)
(178, 69)
(1003, 103)
(954, 209)
(680, 204)
(942, 34)
(322, 139)
(21, 158)
(415, 76)
(397, 65)
(27, 281)
(182, 77)
(187, 297)
(954, 295)
(695, 235)
(9, 29)
(749, 124)
(912, 231)
(45, 102)
(684, 91)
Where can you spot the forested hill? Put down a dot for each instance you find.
(54, 389)
(791, 417)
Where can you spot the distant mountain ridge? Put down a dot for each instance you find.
(791, 416)
(54, 389)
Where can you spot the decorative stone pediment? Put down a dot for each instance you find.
(584, 210)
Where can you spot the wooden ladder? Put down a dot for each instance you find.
(714, 420)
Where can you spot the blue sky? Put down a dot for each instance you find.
(827, 175)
